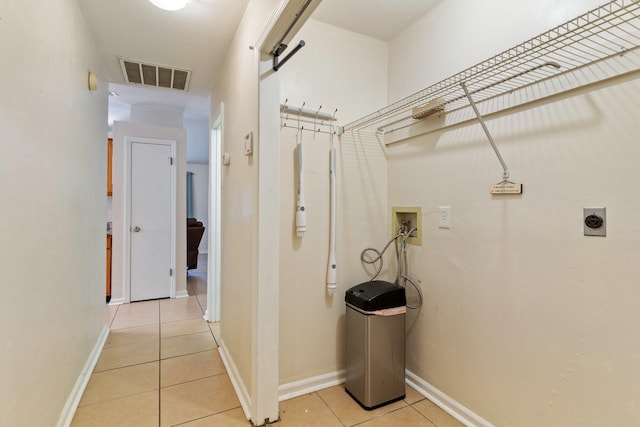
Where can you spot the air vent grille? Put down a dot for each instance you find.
(145, 73)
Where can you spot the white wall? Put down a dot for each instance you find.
(201, 199)
(458, 34)
(347, 71)
(121, 130)
(237, 88)
(526, 321)
(157, 115)
(52, 214)
(197, 126)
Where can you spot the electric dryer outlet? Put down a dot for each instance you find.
(594, 221)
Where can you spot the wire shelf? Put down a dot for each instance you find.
(609, 31)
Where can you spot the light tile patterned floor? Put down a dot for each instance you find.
(160, 367)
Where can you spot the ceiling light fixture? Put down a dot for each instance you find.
(171, 5)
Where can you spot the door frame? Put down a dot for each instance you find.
(212, 314)
(128, 143)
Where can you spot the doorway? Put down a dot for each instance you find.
(150, 214)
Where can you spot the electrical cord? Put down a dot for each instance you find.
(402, 276)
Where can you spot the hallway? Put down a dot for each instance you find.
(160, 367)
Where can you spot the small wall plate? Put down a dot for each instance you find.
(248, 144)
(594, 221)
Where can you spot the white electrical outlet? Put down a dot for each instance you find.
(444, 217)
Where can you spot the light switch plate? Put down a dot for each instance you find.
(444, 217)
(591, 223)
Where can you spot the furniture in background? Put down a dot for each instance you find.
(195, 230)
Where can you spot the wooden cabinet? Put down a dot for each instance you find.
(109, 166)
(108, 267)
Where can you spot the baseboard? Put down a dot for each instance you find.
(182, 294)
(236, 380)
(309, 385)
(69, 410)
(116, 301)
(446, 403)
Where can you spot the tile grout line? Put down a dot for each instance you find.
(159, 324)
(113, 317)
(330, 409)
(207, 416)
(123, 366)
(423, 415)
(189, 354)
(208, 323)
(197, 379)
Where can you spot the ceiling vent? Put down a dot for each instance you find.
(155, 75)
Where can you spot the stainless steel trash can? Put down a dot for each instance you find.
(375, 323)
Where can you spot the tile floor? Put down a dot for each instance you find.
(160, 367)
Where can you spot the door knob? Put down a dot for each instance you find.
(136, 229)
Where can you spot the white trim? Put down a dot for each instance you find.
(181, 294)
(128, 143)
(444, 402)
(282, 19)
(236, 379)
(212, 313)
(454, 408)
(126, 225)
(266, 275)
(69, 410)
(309, 385)
(116, 301)
(270, 24)
(174, 215)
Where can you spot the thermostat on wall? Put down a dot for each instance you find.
(248, 144)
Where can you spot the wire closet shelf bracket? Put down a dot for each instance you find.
(581, 49)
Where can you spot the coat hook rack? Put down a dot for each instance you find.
(301, 111)
(318, 119)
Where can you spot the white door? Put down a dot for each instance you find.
(151, 220)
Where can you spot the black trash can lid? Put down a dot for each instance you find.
(376, 295)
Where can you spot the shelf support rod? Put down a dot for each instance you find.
(505, 169)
